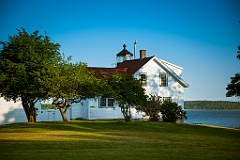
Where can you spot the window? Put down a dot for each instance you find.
(111, 102)
(163, 79)
(143, 78)
(103, 103)
(106, 103)
(168, 99)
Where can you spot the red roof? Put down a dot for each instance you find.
(133, 65)
(101, 72)
(126, 67)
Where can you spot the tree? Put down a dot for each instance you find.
(69, 83)
(233, 89)
(23, 61)
(171, 112)
(128, 92)
(152, 108)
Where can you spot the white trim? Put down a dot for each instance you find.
(173, 74)
(168, 63)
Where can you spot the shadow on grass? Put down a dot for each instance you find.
(109, 126)
(81, 139)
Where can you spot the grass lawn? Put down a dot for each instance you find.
(113, 140)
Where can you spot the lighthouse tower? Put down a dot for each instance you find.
(124, 55)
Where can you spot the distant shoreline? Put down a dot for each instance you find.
(222, 118)
(212, 105)
(212, 126)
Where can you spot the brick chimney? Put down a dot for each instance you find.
(142, 54)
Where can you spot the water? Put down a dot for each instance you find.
(224, 118)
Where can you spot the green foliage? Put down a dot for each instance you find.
(152, 108)
(23, 63)
(233, 88)
(48, 106)
(67, 80)
(171, 112)
(128, 92)
(217, 105)
(69, 83)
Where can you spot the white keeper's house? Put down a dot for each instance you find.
(158, 77)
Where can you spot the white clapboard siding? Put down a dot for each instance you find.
(81, 110)
(105, 113)
(110, 113)
(49, 115)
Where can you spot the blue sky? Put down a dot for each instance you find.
(199, 35)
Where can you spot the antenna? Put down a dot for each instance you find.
(135, 44)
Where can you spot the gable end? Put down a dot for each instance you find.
(173, 74)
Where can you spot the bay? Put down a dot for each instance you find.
(223, 118)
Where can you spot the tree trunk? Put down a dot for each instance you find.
(25, 107)
(63, 113)
(126, 113)
(29, 110)
(32, 112)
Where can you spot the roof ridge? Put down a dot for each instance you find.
(139, 59)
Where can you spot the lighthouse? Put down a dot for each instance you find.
(124, 55)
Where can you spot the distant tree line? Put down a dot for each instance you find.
(218, 105)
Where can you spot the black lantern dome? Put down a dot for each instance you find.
(124, 55)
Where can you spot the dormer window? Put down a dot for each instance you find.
(163, 79)
(143, 78)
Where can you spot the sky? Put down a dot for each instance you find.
(199, 35)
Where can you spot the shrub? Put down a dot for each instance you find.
(152, 107)
(171, 112)
(155, 107)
